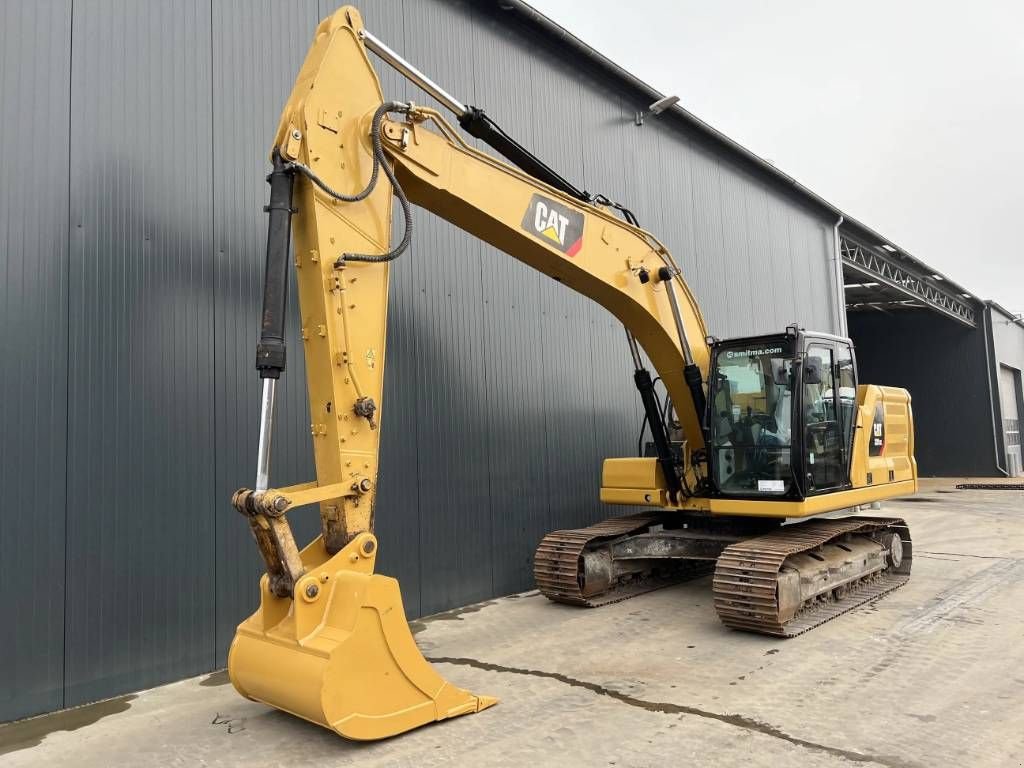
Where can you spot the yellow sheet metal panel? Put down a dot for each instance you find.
(883, 446)
(814, 505)
(638, 472)
(633, 481)
(634, 496)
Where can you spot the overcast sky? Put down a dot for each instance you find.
(907, 115)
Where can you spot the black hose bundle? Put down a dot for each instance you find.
(379, 161)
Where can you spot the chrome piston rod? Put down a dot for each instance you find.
(476, 122)
(634, 351)
(266, 432)
(408, 70)
(691, 372)
(678, 318)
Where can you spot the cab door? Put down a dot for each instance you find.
(827, 429)
(846, 393)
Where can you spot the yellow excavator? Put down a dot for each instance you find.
(751, 432)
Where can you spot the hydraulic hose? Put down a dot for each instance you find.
(380, 160)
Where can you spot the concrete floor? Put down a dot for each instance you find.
(930, 675)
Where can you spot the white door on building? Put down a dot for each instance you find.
(1009, 394)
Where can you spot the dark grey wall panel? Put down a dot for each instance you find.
(248, 93)
(514, 402)
(455, 521)
(562, 362)
(919, 350)
(35, 65)
(616, 413)
(504, 390)
(141, 501)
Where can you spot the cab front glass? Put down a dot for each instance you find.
(750, 418)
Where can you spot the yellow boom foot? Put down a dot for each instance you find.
(340, 654)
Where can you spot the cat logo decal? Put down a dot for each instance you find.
(555, 224)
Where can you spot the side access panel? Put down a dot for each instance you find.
(883, 443)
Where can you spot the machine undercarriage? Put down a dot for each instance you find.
(769, 578)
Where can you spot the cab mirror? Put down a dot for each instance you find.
(812, 371)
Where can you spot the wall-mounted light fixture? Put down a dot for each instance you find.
(656, 108)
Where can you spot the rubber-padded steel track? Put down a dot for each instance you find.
(556, 563)
(745, 583)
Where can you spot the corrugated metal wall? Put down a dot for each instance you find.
(944, 366)
(35, 81)
(1006, 351)
(133, 159)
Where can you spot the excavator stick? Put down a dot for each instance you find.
(329, 642)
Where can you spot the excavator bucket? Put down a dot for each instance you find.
(340, 653)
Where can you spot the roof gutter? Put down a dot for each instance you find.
(567, 41)
(1011, 318)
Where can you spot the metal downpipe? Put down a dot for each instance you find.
(993, 399)
(840, 285)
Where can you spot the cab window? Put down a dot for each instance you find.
(846, 376)
(824, 454)
(750, 420)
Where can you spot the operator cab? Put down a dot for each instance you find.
(780, 415)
